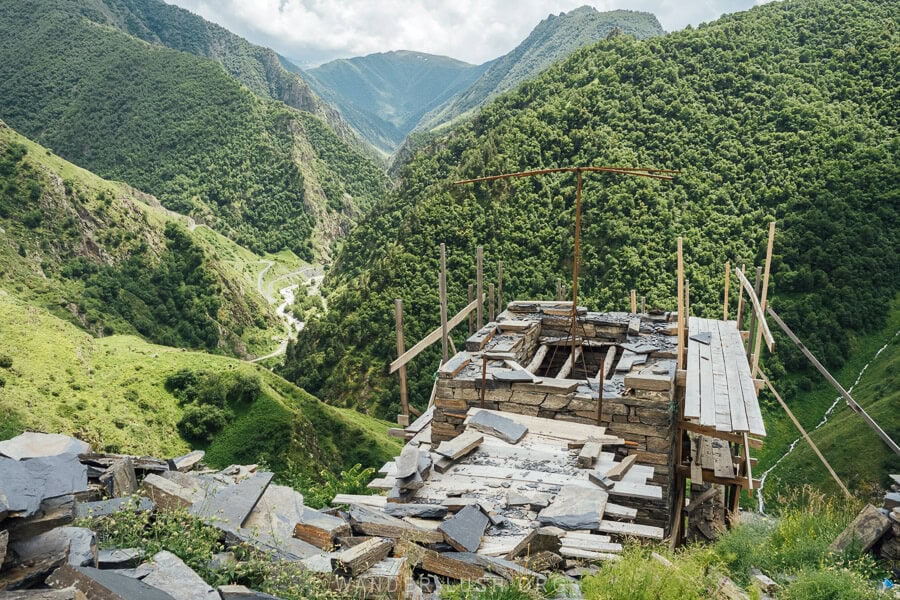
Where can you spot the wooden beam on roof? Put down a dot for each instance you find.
(432, 337)
(757, 310)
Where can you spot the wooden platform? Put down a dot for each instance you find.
(719, 390)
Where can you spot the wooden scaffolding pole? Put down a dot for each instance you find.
(762, 300)
(727, 282)
(500, 307)
(740, 308)
(471, 316)
(805, 435)
(680, 354)
(479, 286)
(633, 301)
(398, 323)
(491, 302)
(834, 382)
(573, 357)
(442, 281)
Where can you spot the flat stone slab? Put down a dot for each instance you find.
(186, 462)
(465, 529)
(25, 483)
(104, 508)
(34, 445)
(240, 592)
(82, 545)
(422, 511)
(501, 427)
(168, 573)
(407, 462)
(575, 508)
(278, 511)
(120, 558)
(232, 504)
(105, 585)
(865, 530)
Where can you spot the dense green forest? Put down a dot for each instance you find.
(384, 95)
(257, 67)
(91, 251)
(173, 124)
(785, 112)
(555, 38)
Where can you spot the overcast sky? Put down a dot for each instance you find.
(315, 31)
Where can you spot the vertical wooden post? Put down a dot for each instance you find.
(727, 281)
(633, 301)
(490, 302)
(765, 293)
(559, 295)
(479, 286)
(471, 316)
(442, 281)
(565, 292)
(500, 307)
(687, 302)
(740, 308)
(643, 304)
(483, 376)
(601, 375)
(575, 266)
(752, 326)
(680, 355)
(398, 322)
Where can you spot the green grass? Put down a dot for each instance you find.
(110, 392)
(854, 450)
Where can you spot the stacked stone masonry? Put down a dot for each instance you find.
(638, 392)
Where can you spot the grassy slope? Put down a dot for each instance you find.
(131, 212)
(846, 438)
(109, 392)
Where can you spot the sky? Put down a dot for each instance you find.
(311, 32)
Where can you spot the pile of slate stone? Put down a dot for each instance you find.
(876, 529)
(48, 482)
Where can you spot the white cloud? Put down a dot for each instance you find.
(315, 31)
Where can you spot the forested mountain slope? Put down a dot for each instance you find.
(384, 95)
(110, 260)
(178, 126)
(552, 40)
(257, 67)
(787, 111)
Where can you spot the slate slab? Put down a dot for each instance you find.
(865, 530)
(119, 478)
(120, 558)
(575, 508)
(232, 504)
(186, 462)
(25, 483)
(105, 585)
(496, 425)
(104, 508)
(704, 337)
(52, 513)
(34, 445)
(240, 592)
(407, 462)
(278, 511)
(422, 511)
(168, 573)
(465, 529)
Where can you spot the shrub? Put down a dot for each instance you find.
(5, 361)
(202, 423)
(636, 576)
(318, 494)
(830, 584)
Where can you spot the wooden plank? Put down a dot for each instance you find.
(692, 387)
(723, 466)
(707, 388)
(589, 453)
(373, 522)
(601, 544)
(631, 529)
(439, 564)
(755, 424)
(460, 445)
(679, 358)
(567, 365)
(720, 380)
(432, 337)
(711, 431)
(538, 358)
(733, 357)
(757, 309)
(695, 503)
(620, 469)
(570, 552)
(442, 292)
(763, 302)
